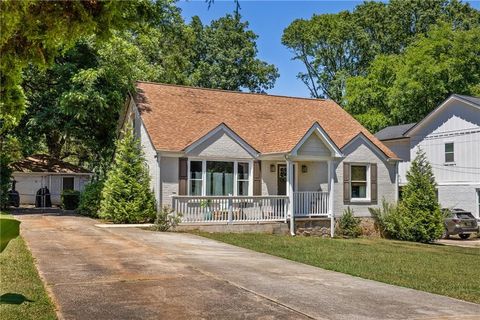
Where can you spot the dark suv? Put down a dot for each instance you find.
(461, 222)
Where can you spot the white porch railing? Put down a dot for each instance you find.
(230, 209)
(310, 203)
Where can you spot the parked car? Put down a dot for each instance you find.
(460, 222)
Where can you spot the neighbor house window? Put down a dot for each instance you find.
(449, 152)
(219, 178)
(243, 170)
(359, 182)
(68, 183)
(196, 178)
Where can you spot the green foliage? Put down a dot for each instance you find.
(8, 153)
(224, 57)
(90, 199)
(348, 225)
(9, 229)
(70, 199)
(35, 32)
(405, 88)
(390, 221)
(335, 47)
(419, 203)
(126, 195)
(166, 219)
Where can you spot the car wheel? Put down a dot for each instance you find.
(464, 236)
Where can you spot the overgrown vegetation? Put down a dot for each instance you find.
(166, 219)
(348, 225)
(90, 199)
(418, 216)
(70, 199)
(126, 196)
(431, 268)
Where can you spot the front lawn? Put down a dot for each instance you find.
(445, 270)
(22, 293)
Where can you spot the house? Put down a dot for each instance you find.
(220, 156)
(450, 137)
(39, 170)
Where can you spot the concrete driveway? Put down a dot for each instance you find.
(118, 273)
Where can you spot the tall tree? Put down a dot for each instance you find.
(334, 47)
(225, 57)
(404, 88)
(35, 32)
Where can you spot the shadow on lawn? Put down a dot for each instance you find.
(13, 298)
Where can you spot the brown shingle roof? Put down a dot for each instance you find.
(45, 163)
(175, 116)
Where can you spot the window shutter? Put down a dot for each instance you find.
(257, 178)
(182, 176)
(373, 183)
(346, 182)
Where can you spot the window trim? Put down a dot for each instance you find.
(449, 152)
(63, 177)
(368, 191)
(235, 175)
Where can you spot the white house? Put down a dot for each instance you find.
(450, 137)
(38, 171)
(220, 156)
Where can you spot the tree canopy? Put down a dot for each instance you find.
(334, 47)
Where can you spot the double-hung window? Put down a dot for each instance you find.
(219, 178)
(449, 152)
(359, 184)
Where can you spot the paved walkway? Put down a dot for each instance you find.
(129, 273)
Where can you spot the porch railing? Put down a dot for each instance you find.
(310, 203)
(230, 209)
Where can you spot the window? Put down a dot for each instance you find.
(219, 178)
(68, 183)
(449, 152)
(242, 178)
(359, 182)
(196, 178)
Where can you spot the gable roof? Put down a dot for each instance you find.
(176, 116)
(46, 163)
(469, 100)
(393, 132)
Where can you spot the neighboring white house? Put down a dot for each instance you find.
(38, 171)
(230, 157)
(450, 137)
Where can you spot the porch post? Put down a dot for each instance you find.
(290, 196)
(331, 188)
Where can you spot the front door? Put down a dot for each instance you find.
(282, 180)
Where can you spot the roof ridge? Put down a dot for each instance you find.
(232, 91)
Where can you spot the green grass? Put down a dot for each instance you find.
(446, 270)
(19, 280)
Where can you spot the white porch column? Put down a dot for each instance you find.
(331, 188)
(290, 196)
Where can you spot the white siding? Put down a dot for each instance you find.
(359, 151)
(316, 177)
(169, 176)
(220, 145)
(313, 146)
(459, 196)
(269, 179)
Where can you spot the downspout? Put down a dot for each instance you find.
(290, 194)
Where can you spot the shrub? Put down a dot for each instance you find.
(70, 199)
(349, 225)
(90, 199)
(126, 195)
(166, 219)
(419, 203)
(389, 221)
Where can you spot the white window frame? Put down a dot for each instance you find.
(368, 193)
(235, 175)
(445, 152)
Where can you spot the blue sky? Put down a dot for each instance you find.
(268, 19)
